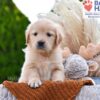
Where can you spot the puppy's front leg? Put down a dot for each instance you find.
(58, 74)
(32, 76)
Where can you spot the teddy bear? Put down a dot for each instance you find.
(77, 67)
(91, 52)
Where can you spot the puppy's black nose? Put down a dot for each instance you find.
(41, 44)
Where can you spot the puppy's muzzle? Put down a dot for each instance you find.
(40, 45)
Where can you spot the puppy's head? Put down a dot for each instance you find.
(44, 35)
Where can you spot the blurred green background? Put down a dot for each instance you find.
(12, 40)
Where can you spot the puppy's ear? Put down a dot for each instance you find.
(59, 35)
(27, 33)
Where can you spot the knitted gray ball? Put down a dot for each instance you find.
(75, 67)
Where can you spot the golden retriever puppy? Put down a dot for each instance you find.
(43, 55)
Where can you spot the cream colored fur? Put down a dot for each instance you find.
(46, 63)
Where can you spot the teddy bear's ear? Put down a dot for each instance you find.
(90, 51)
(66, 52)
(93, 65)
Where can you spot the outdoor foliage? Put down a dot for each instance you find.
(12, 40)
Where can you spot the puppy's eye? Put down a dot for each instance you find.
(35, 34)
(49, 34)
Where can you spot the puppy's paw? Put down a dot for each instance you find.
(34, 83)
(58, 75)
(58, 78)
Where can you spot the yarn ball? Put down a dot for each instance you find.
(75, 67)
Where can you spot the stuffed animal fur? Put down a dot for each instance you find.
(76, 67)
(78, 30)
(96, 72)
(91, 52)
